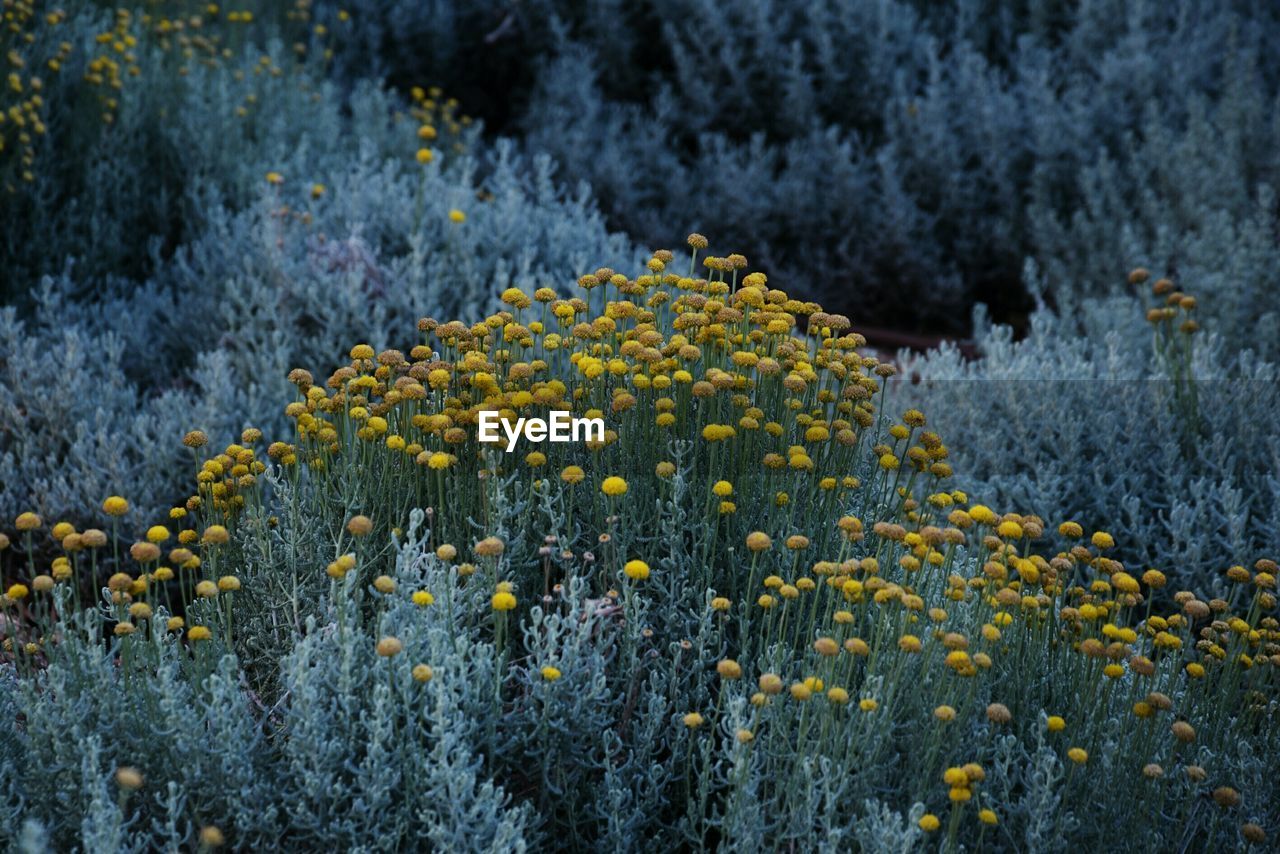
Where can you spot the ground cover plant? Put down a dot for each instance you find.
(261, 586)
(756, 614)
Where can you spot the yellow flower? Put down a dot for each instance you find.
(867, 704)
(636, 570)
(423, 598)
(389, 646)
(340, 567)
(424, 156)
(115, 506)
(275, 178)
(200, 633)
(574, 474)
(728, 669)
(157, 533)
(422, 673)
(456, 215)
(982, 514)
(1078, 755)
(1009, 530)
(490, 547)
(1071, 530)
(228, 584)
(215, 535)
(144, 552)
(129, 778)
(503, 601)
(929, 822)
(613, 486)
(693, 720)
(550, 673)
(1056, 724)
(987, 817)
(18, 591)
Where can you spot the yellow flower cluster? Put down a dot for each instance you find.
(761, 411)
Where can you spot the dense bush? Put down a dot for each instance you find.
(1092, 416)
(903, 158)
(755, 615)
(313, 219)
(122, 122)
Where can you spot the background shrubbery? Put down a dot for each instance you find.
(901, 159)
(1081, 419)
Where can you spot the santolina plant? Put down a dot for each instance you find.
(753, 614)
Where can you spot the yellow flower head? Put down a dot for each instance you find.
(389, 646)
